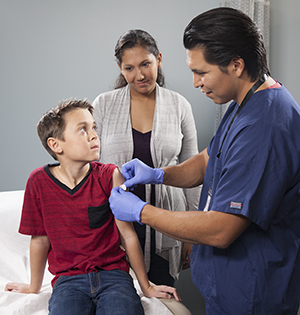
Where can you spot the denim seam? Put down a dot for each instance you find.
(94, 289)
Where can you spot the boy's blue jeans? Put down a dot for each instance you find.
(103, 292)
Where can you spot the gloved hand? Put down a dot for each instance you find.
(125, 205)
(136, 172)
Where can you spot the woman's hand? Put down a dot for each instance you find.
(162, 291)
(185, 254)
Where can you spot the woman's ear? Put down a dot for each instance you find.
(119, 66)
(159, 60)
(54, 145)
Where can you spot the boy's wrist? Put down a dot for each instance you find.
(33, 289)
(145, 288)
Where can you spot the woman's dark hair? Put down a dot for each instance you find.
(131, 39)
(226, 33)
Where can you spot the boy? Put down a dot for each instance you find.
(66, 212)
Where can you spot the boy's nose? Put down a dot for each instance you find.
(93, 135)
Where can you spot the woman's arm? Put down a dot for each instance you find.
(189, 148)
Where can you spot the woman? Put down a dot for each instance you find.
(141, 119)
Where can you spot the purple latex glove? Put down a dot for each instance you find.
(125, 205)
(136, 172)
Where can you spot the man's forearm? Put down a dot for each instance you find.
(213, 228)
(187, 174)
(170, 223)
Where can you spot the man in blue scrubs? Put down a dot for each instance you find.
(246, 257)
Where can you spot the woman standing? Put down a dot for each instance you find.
(141, 119)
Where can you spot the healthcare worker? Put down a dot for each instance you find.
(246, 257)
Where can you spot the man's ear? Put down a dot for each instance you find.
(238, 66)
(54, 145)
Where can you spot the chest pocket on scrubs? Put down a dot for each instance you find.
(98, 215)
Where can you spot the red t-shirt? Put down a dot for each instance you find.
(78, 222)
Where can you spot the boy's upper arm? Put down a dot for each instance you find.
(117, 178)
(126, 229)
(41, 240)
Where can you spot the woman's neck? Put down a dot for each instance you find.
(134, 95)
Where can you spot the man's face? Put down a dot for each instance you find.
(219, 86)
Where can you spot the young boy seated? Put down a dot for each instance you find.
(67, 214)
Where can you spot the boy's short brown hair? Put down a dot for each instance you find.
(52, 123)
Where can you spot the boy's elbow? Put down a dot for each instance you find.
(40, 241)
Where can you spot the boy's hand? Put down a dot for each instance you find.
(136, 172)
(18, 288)
(162, 291)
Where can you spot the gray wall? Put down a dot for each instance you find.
(52, 50)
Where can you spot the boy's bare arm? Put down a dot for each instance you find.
(131, 244)
(39, 248)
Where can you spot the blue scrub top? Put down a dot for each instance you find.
(256, 174)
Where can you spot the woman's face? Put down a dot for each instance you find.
(139, 67)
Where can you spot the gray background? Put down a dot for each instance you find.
(53, 50)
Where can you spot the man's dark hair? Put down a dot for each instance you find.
(225, 33)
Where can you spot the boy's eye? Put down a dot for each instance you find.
(128, 68)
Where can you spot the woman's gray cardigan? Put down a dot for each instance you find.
(173, 140)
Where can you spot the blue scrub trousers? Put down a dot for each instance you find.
(102, 292)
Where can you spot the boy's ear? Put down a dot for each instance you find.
(54, 145)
